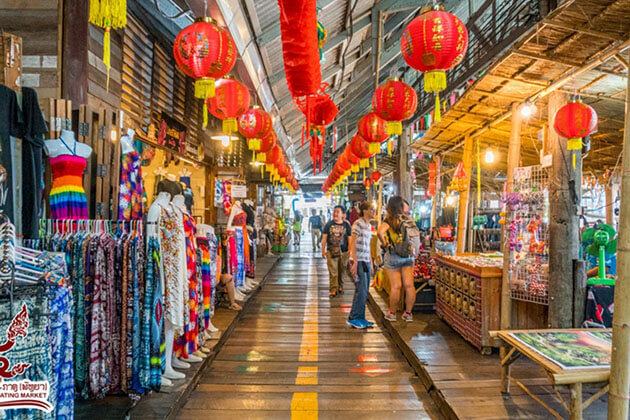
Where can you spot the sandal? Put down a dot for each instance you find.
(235, 307)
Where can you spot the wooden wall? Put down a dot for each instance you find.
(37, 22)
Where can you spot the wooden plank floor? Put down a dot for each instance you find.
(292, 356)
(469, 383)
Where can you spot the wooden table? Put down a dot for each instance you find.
(558, 376)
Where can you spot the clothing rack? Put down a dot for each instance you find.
(91, 226)
(10, 288)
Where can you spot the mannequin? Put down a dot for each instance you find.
(207, 231)
(153, 226)
(178, 206)
(126, 142)
(237, 220)
(67, 144)
(68, 160)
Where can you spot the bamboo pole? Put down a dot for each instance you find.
(620, 364)
(462, 214)
(377, 70)
(513, 159)
(609, 204)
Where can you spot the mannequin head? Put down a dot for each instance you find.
(163, 197)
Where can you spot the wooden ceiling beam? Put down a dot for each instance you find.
(584, 31)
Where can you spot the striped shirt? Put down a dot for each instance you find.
(362, 232)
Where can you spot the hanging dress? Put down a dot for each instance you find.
(67, 196)
(190, 230)
(172, 235)
(131, 189)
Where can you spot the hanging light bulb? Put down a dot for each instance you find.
(489, 156)
(528, 109)
(451, 200)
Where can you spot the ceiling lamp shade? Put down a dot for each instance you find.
(205, 52)
(394, 101)
(575, 121)
(230, 102)
(298, 29)
(433, 43)
(254, 124)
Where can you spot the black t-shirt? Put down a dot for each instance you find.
(315, 222)
(338, 234)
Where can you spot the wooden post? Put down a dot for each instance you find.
(377, 69)
(609, 203)
(379, 201)
(75, 66)
(401, 175)
(462, 214)
(436, 198)
(514, 151)
(575, 401)
(620, 364)
(563, 223)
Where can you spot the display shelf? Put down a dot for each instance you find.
(468, 296)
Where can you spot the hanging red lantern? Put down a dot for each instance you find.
(376, 177)
(205, 52)
(434, 42)
(361, 149)
(317, 149)
(574, 121)
(230, 102)
(353, 159)
(394, 101)
(459, 182)
(298, 30)
(367, 182)
(374, 130)
(254, 124)
(266, 144)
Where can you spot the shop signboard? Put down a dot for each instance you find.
(172, 134)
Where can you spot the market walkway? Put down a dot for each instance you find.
(293, 356)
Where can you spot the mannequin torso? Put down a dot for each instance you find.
(66, 144)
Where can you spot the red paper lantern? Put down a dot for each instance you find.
(230, 102)
(432, 43)
(254, 124)
(205, 52)
(353, 159)
(374, 130)
(394, 101)
(376, 176)
(361, 149)
(367, 182)
(298, 30)
(574, 121)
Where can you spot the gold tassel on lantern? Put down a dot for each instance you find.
(394, 128)
(230, 125)
(435, 81)
(437, 115)
(389, 147)
(374, 162)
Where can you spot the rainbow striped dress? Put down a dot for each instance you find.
(67, 196)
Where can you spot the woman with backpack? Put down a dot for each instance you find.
(399, 237)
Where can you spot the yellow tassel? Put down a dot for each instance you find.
(389, 147)
(254, 157)
(262, 171)
(374, 148)
(107, 53)
(394, 128)
(374, 162)
(205, 116)
(204, 88)
(363, 173)
(434, 81)
(94, 12)
(355, 177)
(573, 154)
(437, 116)
(230, 125)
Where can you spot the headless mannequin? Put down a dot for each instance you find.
(179, 207)
(66, 144)
(126, 142)
(153, 218)
(206, 231)
(241, 291)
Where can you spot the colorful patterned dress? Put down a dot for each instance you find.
(131, 189)
(170, 237)
(67, 196)
(190, 229)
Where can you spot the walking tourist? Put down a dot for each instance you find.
(399, 237)
(361, 264)
(335, 249)
(315, 227)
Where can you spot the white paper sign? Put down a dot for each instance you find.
(523, 172)
(239, 191)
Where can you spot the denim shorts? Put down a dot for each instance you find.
(393, 261)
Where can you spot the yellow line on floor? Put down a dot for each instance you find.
(304, 404)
